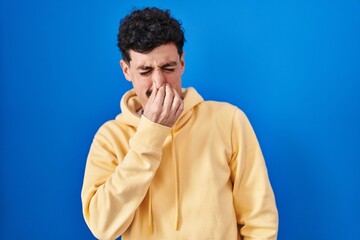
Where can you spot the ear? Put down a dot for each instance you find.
(182, 62)
(126, 69)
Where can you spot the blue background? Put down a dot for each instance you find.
(292, 66)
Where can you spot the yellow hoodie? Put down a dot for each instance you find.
(205, 178)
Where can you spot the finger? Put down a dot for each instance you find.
(168, 100)
(180, 109)
(153, 93)
(177, 102)
(160, 94)
(179, 94)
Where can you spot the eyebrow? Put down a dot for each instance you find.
(166, 65)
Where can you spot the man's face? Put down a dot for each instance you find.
(153, 69)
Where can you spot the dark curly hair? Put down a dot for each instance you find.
(145, 29)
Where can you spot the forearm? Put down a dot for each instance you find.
(112, 207)
(112, 192)
(257, 212)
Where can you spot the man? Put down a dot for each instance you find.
(171, 165)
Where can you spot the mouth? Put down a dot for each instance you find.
(148, 93)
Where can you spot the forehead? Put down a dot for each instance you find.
(157, 57)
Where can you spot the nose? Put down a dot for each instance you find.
(158, 78)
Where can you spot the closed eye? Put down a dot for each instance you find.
(144, 73)
(169, 69)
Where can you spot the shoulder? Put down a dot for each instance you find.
(224, 113)
(221, 113)
(218, 108)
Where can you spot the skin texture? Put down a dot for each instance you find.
(156, 78)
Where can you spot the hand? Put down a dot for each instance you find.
(164, 105)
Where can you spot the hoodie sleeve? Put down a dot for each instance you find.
(254, 201)
(114, 188)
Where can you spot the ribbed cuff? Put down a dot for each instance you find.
(150, 136)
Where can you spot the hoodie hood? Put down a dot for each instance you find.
(130, 105)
